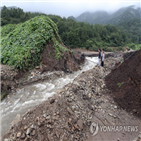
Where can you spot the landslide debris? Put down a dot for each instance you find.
(33, 44)
(125, 83)
(67, 116)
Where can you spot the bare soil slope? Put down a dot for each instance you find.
(125, 83)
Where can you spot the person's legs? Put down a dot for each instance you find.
(102, 63)
(98, 62)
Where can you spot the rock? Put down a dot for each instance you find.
(115, 107)
(90, 95)
(69, 111)
(19, 134)
(28, 131)
(44, 115)
(52, 101)
(69, 100)
(70, 121)
(88, 122)
(37, 67)
(57, 133)
(13, 136)
(33, 126)
(134, 110)
(112, 115)
(48, 117)
(84, 97)
(6, 139)
(23, 136)
(80, 123)
(33, 132)
(25, 127)
(33, 74)
(76, 126)
(102, 86)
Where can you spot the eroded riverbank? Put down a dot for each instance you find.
(49, 83)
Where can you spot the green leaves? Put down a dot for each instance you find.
(22, 45)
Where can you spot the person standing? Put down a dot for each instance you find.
(99, 57)
(102, 58)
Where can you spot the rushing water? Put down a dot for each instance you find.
(29, 96)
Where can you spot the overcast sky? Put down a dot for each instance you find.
(66, 8)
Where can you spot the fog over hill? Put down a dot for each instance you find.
(9, 7)
(103, 17)
(70, 8)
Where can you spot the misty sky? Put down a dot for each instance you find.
(66, 8)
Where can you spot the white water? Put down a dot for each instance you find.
(29, 96)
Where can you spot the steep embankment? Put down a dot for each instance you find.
(35, 43)
(125, 84)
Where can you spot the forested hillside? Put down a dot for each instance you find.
(133, 27)
(98, 17)
(83, 35)
(103, 17)
(15, 15)
(79, 34)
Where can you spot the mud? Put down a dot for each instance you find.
(125, 83)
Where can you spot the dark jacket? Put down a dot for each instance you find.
(99, 55)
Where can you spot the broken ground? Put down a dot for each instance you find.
(125, 83)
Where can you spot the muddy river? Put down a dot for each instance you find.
(29, 96)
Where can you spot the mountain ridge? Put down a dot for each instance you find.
(103, 17)
(15, 7)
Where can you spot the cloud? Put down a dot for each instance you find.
(67, 8)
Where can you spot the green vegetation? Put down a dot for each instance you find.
(134, 46)
(84, 35)
(133, 27)
(115, 18)
(16, 15)
(120, 84)
(22, 45)
(3, 95)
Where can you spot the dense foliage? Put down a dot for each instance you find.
(22, 44)
(79, 34)
(133, 27)
(84, 35)
(15, 15)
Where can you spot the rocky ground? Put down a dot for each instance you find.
(71, 114)
(11, 78)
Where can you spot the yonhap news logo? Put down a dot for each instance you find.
(95, 128)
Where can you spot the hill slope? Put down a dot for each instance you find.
(99, 17)
(33, 43)
(15, 7)
(125, 83)
(36, 42)
(102, 17)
